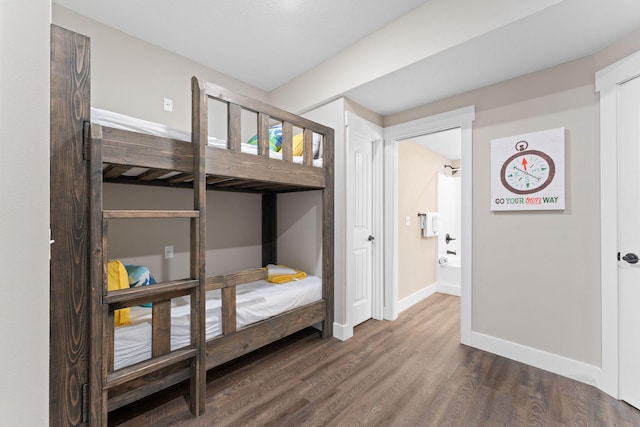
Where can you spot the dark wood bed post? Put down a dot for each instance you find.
(98, 329)
(69, 210)
(199, 132)
(269, 229)
(328, 233)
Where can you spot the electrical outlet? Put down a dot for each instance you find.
(168, 252)
(168, 104)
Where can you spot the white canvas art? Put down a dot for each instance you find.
(527, 171)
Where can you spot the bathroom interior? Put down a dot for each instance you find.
(429, 212)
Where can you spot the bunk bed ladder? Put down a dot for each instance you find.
(102, 376)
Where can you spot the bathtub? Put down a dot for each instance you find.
(449, 273)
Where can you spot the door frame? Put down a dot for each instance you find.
(375, 132)
(608, 81)
(462, 118)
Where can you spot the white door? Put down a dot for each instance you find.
(629, 240)
(360, 222)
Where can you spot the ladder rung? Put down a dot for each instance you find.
(143, 368)
(118, 214)
(142, 294)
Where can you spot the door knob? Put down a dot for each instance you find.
(370, 238)
(631, 258)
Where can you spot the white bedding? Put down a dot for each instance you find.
(120, 121)
(255, 301)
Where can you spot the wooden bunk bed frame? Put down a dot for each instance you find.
(79, 151)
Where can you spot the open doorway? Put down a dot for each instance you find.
(429, 205)
(458, 119)
(447, 144)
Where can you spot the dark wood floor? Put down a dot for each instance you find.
(411, 372)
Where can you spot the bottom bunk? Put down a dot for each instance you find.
(255, 301)
(244, 311)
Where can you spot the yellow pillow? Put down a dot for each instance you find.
(117, 278)
(298, 144)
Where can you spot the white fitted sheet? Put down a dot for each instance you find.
(255, 301)
(132, 124)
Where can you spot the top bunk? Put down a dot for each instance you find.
(286, 152)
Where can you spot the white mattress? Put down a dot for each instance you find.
(255, 301)
(120, 121)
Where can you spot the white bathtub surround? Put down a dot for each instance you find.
(449, 274)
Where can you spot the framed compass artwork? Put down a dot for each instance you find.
(527, 171)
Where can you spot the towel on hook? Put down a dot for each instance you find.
(423, 224)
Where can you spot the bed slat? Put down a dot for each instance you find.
(235, 279)
(161, 328)
(146, 214)
(147, 388)
(228, 310)
(181, 177)
(226, 95)
(139, 295)
(152, 174)
(263, 134)
(223, 349)
(307, 153)
(114, 171)
(234, 142)
(287, 143)
(129, 373)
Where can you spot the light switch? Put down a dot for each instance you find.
(168, 252)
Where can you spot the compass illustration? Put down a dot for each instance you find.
(527, 171)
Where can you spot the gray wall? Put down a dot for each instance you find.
(133, 77)
(536, 276)
(24, 211)
(234, 230)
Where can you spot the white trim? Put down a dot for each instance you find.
(462, 118)
(426, 292)
(416, 297)
(569, 368)
(390, 219)
(378, 227)
(608, 81)
(449, 289)
(342, 332)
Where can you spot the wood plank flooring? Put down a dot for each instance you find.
(411, 372)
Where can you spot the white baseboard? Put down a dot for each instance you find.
(554, 363)
(416, 297)
(426, 292)
(449, 288)
(342, 332)
(570, 368)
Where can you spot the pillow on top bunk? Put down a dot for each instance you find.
(298, 144)
(139, 275)
(275, 138)
(117, 279)
(283, 274)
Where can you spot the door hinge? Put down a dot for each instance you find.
(84, 396)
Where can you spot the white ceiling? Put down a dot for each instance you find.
(447, 143)
(269, 43)
(262, 42)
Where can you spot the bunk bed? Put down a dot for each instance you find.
(91, 154)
